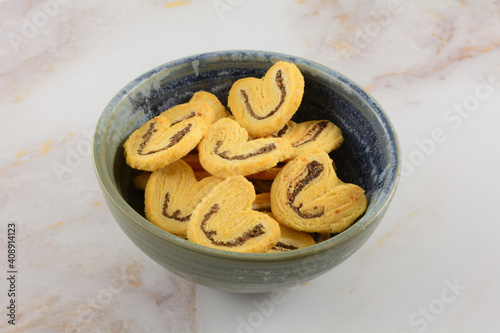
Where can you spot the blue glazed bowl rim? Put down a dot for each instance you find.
(108, 185)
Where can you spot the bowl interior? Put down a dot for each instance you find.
(369, 156)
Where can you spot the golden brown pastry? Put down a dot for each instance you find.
(224, 220)
(185, 111)
(219, 109)
(264, 106)
(225, 150)
(171, 195)
(161, 141)
(292, 240)
(308, 196)
(310, 135)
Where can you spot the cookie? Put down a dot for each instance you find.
(158, 143)
(310, 135)
(219, 109)
(262, 203)
(225, 150)
(141, 180)
(172, 193)
(224, 220)
(264, 106)
(308, 196)
(292, 240)
(185, 111)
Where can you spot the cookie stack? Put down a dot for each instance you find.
(249, 180)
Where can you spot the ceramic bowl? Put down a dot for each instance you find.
(369, 157)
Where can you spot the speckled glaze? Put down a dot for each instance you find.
(369, 157)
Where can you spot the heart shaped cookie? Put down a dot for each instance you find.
(212, 100)
(264, 106)
(224, 220)
(161, 141)
(225, 150)
(308, 196)
(172, 193)
(310, 135)
(186, 111)
(292, 240)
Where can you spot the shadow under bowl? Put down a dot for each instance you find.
(369, 157)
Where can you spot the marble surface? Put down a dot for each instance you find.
(431, 266)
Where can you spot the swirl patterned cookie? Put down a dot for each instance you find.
(307, 136)
(264, 106)
(225, 150)
(172, 193)
(212, 100)
(292, 240)
(308, 196)
(224, 220)
(163, 140)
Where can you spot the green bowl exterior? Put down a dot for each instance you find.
(174, 83)
(241, 274)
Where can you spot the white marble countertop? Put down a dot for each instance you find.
(431, 266)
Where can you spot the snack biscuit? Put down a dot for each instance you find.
(264, 106)
(172, 193)
(219, 109)
(292, 240)
(310, 135)
(224, 220)
(225, 150)
(308, 196)
(158, 143)
(185, 111)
